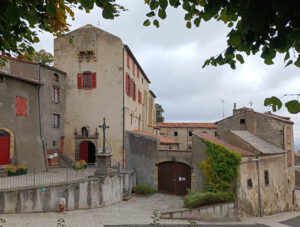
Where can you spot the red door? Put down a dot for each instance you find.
(174, 178)
(61, 144)
(4, 148)
(84, 151)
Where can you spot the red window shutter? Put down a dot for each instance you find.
(131, 88)
(134, 92)
(126, 81)
(133, 68)
(128, 60)
(18, 105)
(138, 73)
(24, 106)
(94, 80)
(140, 97)
(79, 80)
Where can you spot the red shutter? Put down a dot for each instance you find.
(140, 97)
(134, 92)
(131, 88)
(133, 68)
(138, 73)
(24, 106)
(18, 105)
(94, 80)
(126, 83)
(79, 80)
(128, 60)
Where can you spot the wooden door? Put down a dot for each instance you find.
(174, 178)
(61, 144)
(84, 151)
(4, 148)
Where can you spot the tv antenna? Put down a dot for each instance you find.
(223, 101)
(251, 103)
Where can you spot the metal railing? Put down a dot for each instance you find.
(42, 177)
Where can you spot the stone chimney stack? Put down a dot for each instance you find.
(234, 108)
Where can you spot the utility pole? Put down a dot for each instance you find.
(104, 128)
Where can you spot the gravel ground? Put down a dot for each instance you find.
(137, 210)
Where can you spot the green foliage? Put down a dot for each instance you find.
(20, 20)
(292, 106)
(155, 218)
(81, 164)
(221, 168)
(2, 221)
(141, 189)
(14, 169)
(61, 222)
(41, 56)
(271, 26)
(159, 111)
(192, 224)
(197, 199)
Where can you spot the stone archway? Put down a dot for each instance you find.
(7, 142)
(87, 152)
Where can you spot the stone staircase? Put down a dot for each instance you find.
(64, 160)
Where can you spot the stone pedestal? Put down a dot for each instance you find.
(103, 165)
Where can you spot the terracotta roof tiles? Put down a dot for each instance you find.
(186, 125)
(162, 140)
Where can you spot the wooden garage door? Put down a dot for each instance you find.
(174, 178)
(4, 148)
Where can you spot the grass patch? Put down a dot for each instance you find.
(141, 189)
(197, 199)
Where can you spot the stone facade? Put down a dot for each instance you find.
(32, 132)
(102, 76)
(182, 132)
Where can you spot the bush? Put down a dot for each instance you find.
(141, 189)
(197, 199)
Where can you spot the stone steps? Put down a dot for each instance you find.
(64, 160)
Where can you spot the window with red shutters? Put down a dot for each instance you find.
(79, 80)
(94, 80)
(140, 97)
(128, 60)
(131, 88)
(126, 83)
(21, 106)
(138, 73)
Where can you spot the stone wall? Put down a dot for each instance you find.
(297, 177)
(218, 212)
(84, 194)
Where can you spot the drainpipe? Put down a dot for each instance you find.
(123, 109)
(40, 120)
(258, 185)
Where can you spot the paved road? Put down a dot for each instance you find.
(254, 225)
(293, 222)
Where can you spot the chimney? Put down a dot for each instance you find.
(234, 108)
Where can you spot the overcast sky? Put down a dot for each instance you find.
(172, 57)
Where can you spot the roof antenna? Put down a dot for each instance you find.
(223, 101)
(251, 103)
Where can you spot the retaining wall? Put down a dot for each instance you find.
(82, 194)
(218, 212)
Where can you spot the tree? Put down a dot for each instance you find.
(41, 56)
(257, 26)
(159, 111)
(21, 19)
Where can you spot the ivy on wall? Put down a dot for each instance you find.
(221, 168)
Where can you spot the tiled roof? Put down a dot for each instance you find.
(258, 143)
(221, 142)
(18, 59)
(186, 125)
(162, 140)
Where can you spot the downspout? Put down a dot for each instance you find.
(40, 119)
(258, 185)
(123, 109)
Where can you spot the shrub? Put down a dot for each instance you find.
(81, 164)
(141, 189)
(14, 169)
(197, 199)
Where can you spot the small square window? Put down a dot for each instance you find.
(216, 133)
(189, 147)
(55, 77)
(249, 183)
(175, 133)
(190, 133)
(266, 175)
(55, 120)
(242, 121)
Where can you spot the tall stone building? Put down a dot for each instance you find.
(104, 80)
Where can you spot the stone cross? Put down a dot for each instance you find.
(104, 128)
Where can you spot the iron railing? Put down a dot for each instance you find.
(42, 177)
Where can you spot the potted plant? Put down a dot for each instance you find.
(16, 170)
(81, 164)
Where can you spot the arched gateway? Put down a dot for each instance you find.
(87, 152)
(4, 148)
(174, 178)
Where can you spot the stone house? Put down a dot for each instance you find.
(182, 132)
(104, 80)
(27, 109)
